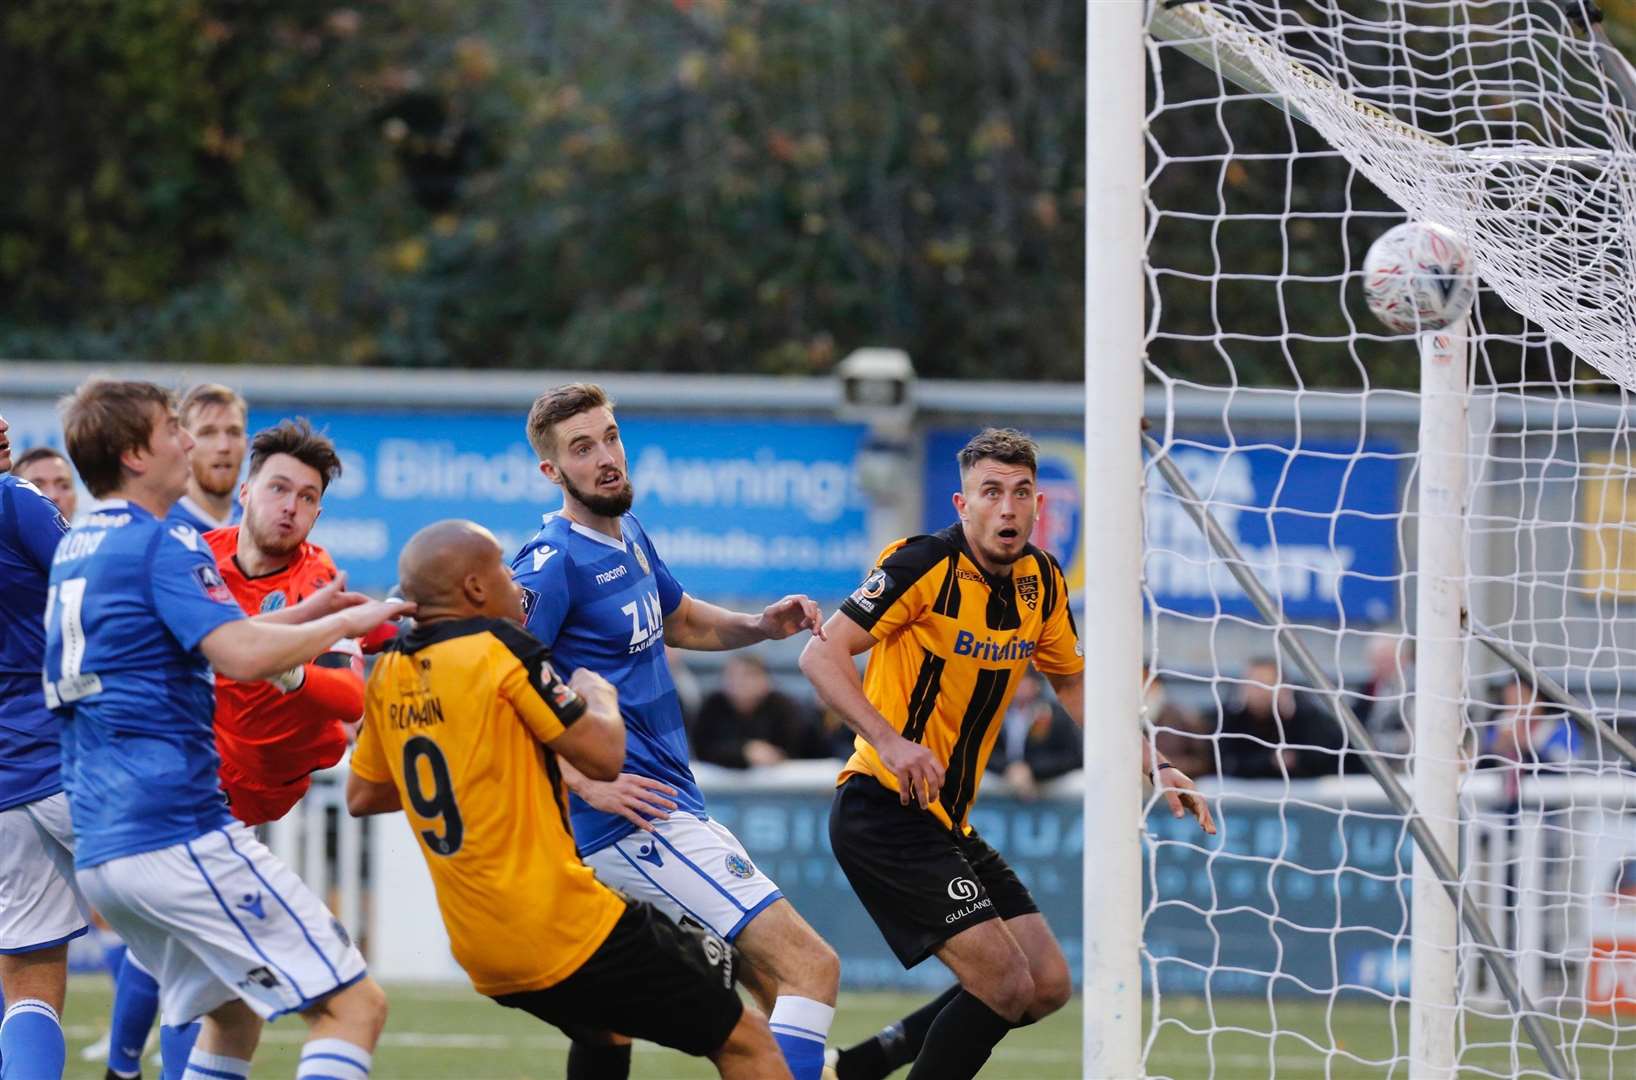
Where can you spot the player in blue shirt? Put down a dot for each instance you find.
(217, 420)
(40, 909)
(137, 617)
(600, 596)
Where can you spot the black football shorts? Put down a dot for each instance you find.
(651, 979)
(920, 882)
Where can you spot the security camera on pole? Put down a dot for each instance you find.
(877, 389)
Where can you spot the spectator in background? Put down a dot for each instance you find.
(1272, 732)
(1037, 741)
(1529, 735)
(1184, 739)
(748, 723)
(688, 690)
(1384, 703)
(49, 471)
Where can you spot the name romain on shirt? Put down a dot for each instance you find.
(415, 714)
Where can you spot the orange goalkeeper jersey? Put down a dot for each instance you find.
(270, 742)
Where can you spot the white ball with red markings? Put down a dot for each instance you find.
(1418, 277)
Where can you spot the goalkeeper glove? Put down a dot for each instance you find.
(288, 682)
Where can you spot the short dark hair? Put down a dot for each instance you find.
(1008, 446)
(204, 394)
(297, 439)
(103, 419)
(38, 453)
(556, 405)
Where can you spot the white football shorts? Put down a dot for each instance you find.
(220, 917)
(40, 903)
(691, 868)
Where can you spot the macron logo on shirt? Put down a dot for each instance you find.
(542, 555)
(187, 535)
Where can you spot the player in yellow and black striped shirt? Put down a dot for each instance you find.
(464, 721)
(951, 622)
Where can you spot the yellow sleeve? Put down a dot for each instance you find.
(1059, 651)
(546, 704)
(900, 589)
(368, 758)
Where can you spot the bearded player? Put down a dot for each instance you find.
(598, 594)
(215, 418)
(272, 735)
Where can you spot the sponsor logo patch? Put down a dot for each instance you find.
(274, 600)
(210, 580)
(259, 976)
(530, 598)
(542, 555)
(962, 889)
(562, 695)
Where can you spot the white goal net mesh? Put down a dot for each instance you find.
(1281, 947)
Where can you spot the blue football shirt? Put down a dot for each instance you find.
(131, 598)
(601, 603)
(187, 512)
(30, 527)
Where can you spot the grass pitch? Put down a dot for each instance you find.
(450, 1033)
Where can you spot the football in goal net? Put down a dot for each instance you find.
(1387, 522)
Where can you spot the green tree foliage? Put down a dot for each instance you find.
(686, 185)
(638, 184)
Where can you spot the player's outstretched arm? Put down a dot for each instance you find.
(827, 663)
(246, 649)
(704, 627)
(1178, 788)
(595, 743)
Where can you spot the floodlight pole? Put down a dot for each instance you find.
(1112, 627)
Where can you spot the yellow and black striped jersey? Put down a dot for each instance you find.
(455, 716)
(952, 644)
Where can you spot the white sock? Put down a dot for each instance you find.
(801, 1018)
(206, 1066)
(334, 1059)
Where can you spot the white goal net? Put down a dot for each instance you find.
(1283, 136)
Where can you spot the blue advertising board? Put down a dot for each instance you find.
(737, 509)
(1318, 521)
(1295, 894)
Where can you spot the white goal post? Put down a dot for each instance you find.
(1474, 526)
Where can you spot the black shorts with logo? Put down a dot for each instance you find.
(651, 979)
(920, 882)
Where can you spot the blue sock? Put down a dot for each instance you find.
(175, 1047)
(203, 1066)
(333, 1059)
(800, 1027)
(136, 1002)
(31, 1042)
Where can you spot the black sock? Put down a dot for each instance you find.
(587, 1062)
(960, 1040)
(893, 1047)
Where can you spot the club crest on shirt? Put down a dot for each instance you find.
(739, 866)
(274, 600)
(1028, 590)
(641, 558)
(210, 580)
